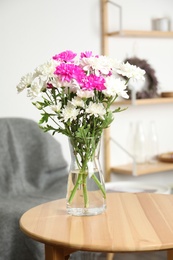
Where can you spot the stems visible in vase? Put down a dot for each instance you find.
(81, 180)
(85, 192)
(99, 185)
(83, 151)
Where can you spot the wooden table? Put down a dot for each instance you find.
(131, 223)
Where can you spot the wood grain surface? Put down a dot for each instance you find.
(131, 223)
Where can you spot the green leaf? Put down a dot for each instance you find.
(82, 132)
(44, 119)
(119, 109)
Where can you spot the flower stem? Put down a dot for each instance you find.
(78, 182)
(99, 185)
(85, 192)
(81, 180)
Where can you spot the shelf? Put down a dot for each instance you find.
(137, 33)
(148, 101)
(105, 34)
(142, 169)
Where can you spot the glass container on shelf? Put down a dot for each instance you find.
(130, 141)
(153, 145)
(140, 144)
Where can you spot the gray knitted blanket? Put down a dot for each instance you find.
(32, 171)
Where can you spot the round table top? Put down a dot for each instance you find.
(131, 222)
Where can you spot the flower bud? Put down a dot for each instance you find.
(38, 105)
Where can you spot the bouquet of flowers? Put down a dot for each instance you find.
(75, 97)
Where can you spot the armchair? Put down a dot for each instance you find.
(32, 171)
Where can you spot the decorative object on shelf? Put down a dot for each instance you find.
(149, 89)
(153, 143)
(141, 147)
(167, 94)
(75, 97)
(161, 24)
(140, 144)
(166, 157)
(130, 139)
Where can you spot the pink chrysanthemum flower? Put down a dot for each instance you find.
(92, 82)
(65, 56)
(86, 54)
(68, 72)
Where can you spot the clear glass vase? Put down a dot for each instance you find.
(86, 193)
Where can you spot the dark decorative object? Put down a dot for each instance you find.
(150, 88)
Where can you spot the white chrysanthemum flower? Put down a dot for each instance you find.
(85, 93)
(70, 112)
(99, 64)
(47, 69)
(25, 82)
(73, 86)
(131, 71)
(57, 107)
(35, 90)
(54, 81)
(77, 102)
(45, 73)
(115, 86)
(96, 109)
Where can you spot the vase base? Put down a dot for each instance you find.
(86, 211)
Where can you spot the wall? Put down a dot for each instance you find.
(158, 52)
(32, 31)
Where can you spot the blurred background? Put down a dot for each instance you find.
(33, 31)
